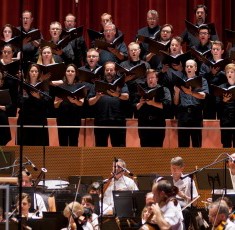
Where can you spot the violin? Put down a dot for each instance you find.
(221, 226)
(232, 217)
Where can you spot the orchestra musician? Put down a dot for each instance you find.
(219, 216)
(89, 207)
(39, 204)
(231, 167)
(74, 212)
(166, 212)
(25, 206)
(117, 182)
(146, 212)
(184, 185)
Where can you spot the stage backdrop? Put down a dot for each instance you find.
(128, 15)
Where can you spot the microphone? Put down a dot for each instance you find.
(26, 171)
(115, 160)
(32, 164)
(126, 170)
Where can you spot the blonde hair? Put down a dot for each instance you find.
(230, 66)
(40, 61)
(74, 207)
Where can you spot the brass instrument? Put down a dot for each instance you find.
(39, 178)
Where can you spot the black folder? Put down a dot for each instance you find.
(135, 72)
(148, 94)
(195, 82)
(94, 34)
(11, 68)
(32, 35)
(219, 91)
(101, 86)
(73, 32)
(5, 97)
(102, 44)
(194, 29)
(63, 93)
(57, 70)
(90, 76)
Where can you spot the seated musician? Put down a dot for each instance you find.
(95, 188)
(231, 167)
(25, 206)
(230, 205)
(166, 213)
(74, 212)
(219, 216)
(146, 212)
(38, 200)
(118, 182)
(89, 208)
(184, 185)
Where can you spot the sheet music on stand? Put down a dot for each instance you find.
(213, 178)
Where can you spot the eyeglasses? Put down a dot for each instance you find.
(24, 19)
(92, 56)
(203, 33)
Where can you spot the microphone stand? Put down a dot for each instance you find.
(102, 194)
(207, 166)
(191, 175)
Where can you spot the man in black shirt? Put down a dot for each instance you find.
(200, 16)
(109, 112)
(189, 103)
(78, 44)
(151, 30)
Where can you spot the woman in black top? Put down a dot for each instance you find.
(69, 109)
(33, 112)
(5, 133)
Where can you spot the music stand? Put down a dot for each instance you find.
(58, 217)
(63, 197)
(85, 181)
(128, 204)
(213, 178)
(145, 181)
(12, 226)
(168, 178)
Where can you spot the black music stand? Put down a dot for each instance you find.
(145, 181)
(129, 204)
(85, 181)
(214, 178)
(12, 226)
(57, 217)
